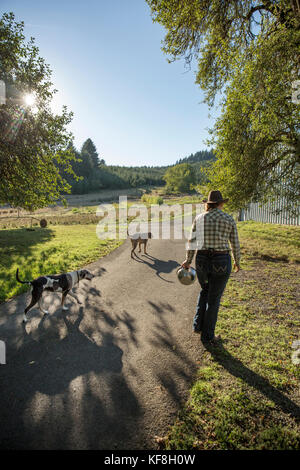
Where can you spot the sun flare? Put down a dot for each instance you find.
(29, 99)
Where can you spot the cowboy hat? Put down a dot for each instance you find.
(215, 197)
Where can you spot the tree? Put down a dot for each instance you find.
(89, 148)
(256, 138)
(249, 51)
(34, 142)
(180, 177)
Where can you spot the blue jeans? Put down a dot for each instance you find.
(213, 272)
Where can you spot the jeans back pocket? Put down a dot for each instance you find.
(202, 269)
(221, 265)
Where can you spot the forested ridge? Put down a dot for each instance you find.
(94, 174)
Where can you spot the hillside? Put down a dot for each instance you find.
(96, 175)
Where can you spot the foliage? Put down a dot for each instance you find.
(249, 51)
(198, 157)
(93, 174)
(89, 149)
(213, 32)
(148, 199)
(33, 141)
(138, 176)
(256, 138)
(85, 167)
(180, 177)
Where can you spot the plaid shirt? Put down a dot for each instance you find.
(213, 229)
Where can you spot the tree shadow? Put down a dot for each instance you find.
(269, 258)
(99, 271)
(17, 245)
(61, 389)
(236, 368)
(88, 356)
(178, 370)
(20, 241)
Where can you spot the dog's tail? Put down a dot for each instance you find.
(19, 280)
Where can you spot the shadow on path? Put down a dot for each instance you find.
(177, 371)
(65, 391)
(159, 266)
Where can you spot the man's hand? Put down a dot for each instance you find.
(236, 268)
(185, 264)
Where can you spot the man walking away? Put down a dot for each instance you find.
(212, 232)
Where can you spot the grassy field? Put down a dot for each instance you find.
(80, 209)
(57, 249)
(70, 230)
(246, 394)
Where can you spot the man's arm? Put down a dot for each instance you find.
(235, 245)
(190, 253)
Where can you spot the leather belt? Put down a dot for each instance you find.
(212, 252)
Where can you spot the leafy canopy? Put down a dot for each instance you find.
(248, 50)
(180, 177)
(256, 138)
(34, 142)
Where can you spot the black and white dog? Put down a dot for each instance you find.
(61, 283)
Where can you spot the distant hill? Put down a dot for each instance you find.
(198, 157)
(96, 175)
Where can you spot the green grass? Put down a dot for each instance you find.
(52, 250)
(277, 242)
(190, 199)
(246, 394)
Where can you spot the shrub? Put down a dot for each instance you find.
(148, 199)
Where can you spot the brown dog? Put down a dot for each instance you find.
(139, 239)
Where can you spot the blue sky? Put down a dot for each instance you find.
(110, 71)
